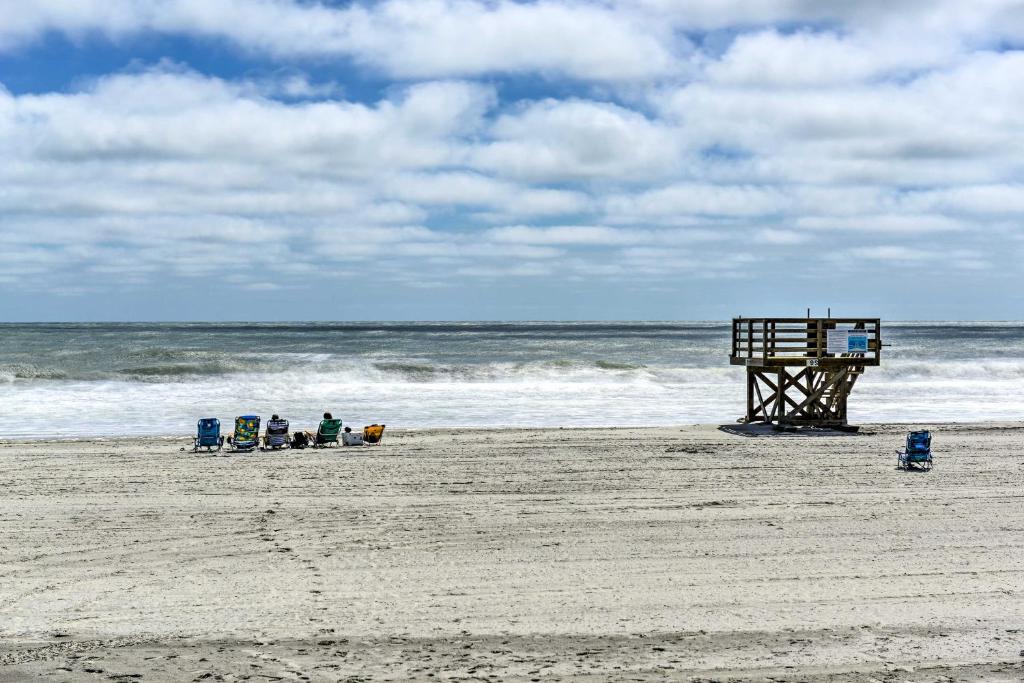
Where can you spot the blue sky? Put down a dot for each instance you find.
(273, 159)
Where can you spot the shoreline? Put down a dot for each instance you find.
(863, 429)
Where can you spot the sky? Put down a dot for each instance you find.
(551, 160)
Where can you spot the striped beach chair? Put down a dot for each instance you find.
(277, 435)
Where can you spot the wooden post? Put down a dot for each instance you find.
(751, 379)
(764, 342)
(780, 399)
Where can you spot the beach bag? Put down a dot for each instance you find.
(300, 440)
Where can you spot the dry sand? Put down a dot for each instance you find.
(680, 554)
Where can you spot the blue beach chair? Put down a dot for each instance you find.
(247, 433)
(208, 435)
(918, 453)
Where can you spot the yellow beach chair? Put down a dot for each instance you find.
(373, 434)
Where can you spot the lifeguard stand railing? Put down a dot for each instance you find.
(800, 371)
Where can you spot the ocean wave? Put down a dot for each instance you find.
(16, 371)
(175, 365)
(561, 370)
(490, 372)
(149, 372)
(982, 369)
(612, 365)
(190, 367)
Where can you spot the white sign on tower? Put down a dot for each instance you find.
(847, 341)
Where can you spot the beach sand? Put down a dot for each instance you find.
(636, 554)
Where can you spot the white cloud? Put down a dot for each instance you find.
(982, 200)
(954, 126)
(888, 223)
(567, 234)
(153, 167)
(806, 59)
(473, 189)
(608, 41)
(965, 259)
(596, 235)
(168, 114)
(779, 237)
(911, 17)
(299, 86)
(571, 140)
(891, 252)
(701, 199)
(576, 39)
(403, 38)
(901, 122)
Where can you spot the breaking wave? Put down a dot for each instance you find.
(194, 367)
(16, 371)
(981, 370)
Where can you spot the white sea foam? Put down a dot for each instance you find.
(492, 397)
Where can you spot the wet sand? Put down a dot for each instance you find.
(672, 553)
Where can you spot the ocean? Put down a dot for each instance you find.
(87, 380)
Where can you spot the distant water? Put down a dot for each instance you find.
(110, 379)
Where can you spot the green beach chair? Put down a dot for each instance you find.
(327, 433)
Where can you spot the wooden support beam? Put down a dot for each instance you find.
(832, 381)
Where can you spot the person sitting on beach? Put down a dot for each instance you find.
(312, 436)
(350, 439)
(277, 432)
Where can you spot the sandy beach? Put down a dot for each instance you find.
(684, 553)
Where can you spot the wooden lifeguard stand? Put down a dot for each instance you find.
(800, 371)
